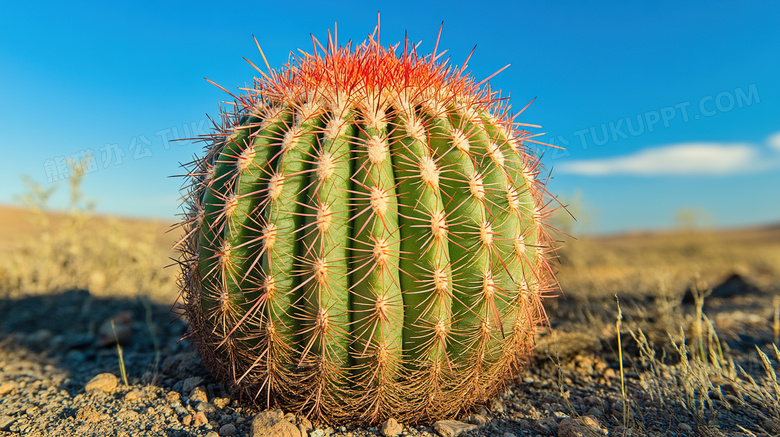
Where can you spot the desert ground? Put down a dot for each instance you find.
(652, 334)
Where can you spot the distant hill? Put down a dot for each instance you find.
(17, 223)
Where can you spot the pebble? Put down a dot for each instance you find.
(198, 394)
(182, 365)
(189, 384)
(127, 415)
(228, 429)
(199, 419)
(212, 434)
(75, 356)
(596, 412)
(39, 337)
(548, 425)
(221, 402)
(477, 419)
(172, 397)
(6, 387)
(272, 424)
(104, 382)
(582, 427)
(305, 423)
(78, 341)
(452, 428)
(6, 422)
(391, 427)
(497, 406)
(685, 427)
(133, 396)
(206, 408)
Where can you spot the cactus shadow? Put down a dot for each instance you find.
(71, 330)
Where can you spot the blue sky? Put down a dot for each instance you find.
(661, 106)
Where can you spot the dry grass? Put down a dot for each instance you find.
(712, 362)
(641, 264)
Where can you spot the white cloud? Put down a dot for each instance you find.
(675, 159)
(774, 141)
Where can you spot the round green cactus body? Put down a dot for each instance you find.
(365, 239)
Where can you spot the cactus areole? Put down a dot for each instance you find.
(365, 238)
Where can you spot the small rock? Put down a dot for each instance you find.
(206, 407)
(182, 366)
(127, 415)
(189, 384)
(6, 387)
(317, 433)
(304, 432)
(305, 423)
(596, 412)
(452, 428)
(39, 337)
(199, 419)
(6, 422)
(590, 421)
(221, 402)
(477, 419)
(597, 402)
(180, 410)
(75, 356)
(212, 434)
(548, 425)
(198, 394)
(78, 341)
(509, 434)
(187, 420)
(133, 396)
(497, 406)
(685, 427)
(272, 424)
(172, 397)
(104, 382)
(586, 426)
(391, 427)
(228, 429)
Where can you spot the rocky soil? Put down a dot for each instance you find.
(60, 375)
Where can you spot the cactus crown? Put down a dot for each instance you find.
(365, 238)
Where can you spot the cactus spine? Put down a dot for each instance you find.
(365, 238)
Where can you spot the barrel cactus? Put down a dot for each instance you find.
(365, 238)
